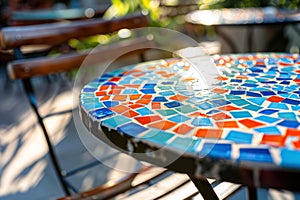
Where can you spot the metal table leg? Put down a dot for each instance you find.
(204, 188)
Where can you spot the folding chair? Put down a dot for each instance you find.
(25, 68)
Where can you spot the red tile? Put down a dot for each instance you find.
(220, 116)
(103, 87)
(229, 108)
(275, 99)
(120, 97)
(156, 105)
(105, 98)
(143, 101)
(179, 97)
(147, 119)
(292, 132)
(114, 91)
(273, 140)
(130, 114)
(133, 86)
(119, 108)
(134, 106)
(250, 123)
(219, 90)
(114, 79)
(209, 133)
(100, 93)
(134, 96)
(227, 124)
(198, 114)
(146, 96)
(183, 129)
(163, 125)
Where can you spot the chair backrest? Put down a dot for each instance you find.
(57, 33)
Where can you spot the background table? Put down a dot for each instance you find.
(245, 130)
(247, 17)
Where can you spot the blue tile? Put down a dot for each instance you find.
(130, 91)
(220, 102)
(249, 85)
(101, 113)
(185, 144)
(257, 100)
(252, 94)
(290, 158)
(148, 91)
(202, 122)
(255, 154)
(157, 137)
(205, 106)
(159, 99)
(289, 123)
(267, 93)
(239, 137)
(167, 93)
(109, 83)
(167, 83)
(116, 121)
(287, 115)
(110, 103)
(240, 102)
(236, 80)
(291, 101)
(91, 106)
(273, 130)
(280, 106)
(237, 92)
(149, 86)
(252, 107)
(267, 119)
(132, 129)
(173, 104)
(268, 111)
(178, 118)
(144, 111)
(216, 150)
(240, 114)
(86, 89)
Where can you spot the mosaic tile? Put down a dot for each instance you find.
(254, 107)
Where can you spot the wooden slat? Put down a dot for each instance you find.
(20, 69)
(56, 33)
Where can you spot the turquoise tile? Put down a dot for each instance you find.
(186, 109)
(240, 114)
(144, 111)
(287, 115)
(267, 119)
(178, 118)
(290, 158)
(202, 122)
(115, 121)
(272, 130)
(280, 106)
(185, 144)
(157, 136)
(239, 137)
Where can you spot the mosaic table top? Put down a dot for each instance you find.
(251, 116)
(242, 16)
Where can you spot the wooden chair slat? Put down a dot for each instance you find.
(56, 33)
(20, 69)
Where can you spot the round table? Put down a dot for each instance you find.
(244, 17)
(244, 130)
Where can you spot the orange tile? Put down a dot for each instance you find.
(222, 78)
(229, 108)
(139, 74)
(163, 125)
(227, 124)
(130, 113)
(118, 87)
(103, 87)
(134, 96)
(275, 99)
(179, 97)
(100, 93)
(250, 123)
(134, 106)
(151, 67)
(146, 96)
(292, 132)
(241, 77)
(220, 116)
(168, 75)
(119, 108)
(156, 105)
(147, 119)
(219, 90)
(189, 79)
(120, 97)
(209, 133)
(296, 144)
(105, 98)
(198, 114)
(144, 101)
(273, 140)
(114, 91)
(183, 129)
(137, 86)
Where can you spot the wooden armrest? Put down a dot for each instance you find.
(26, 68)
(56, 33)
